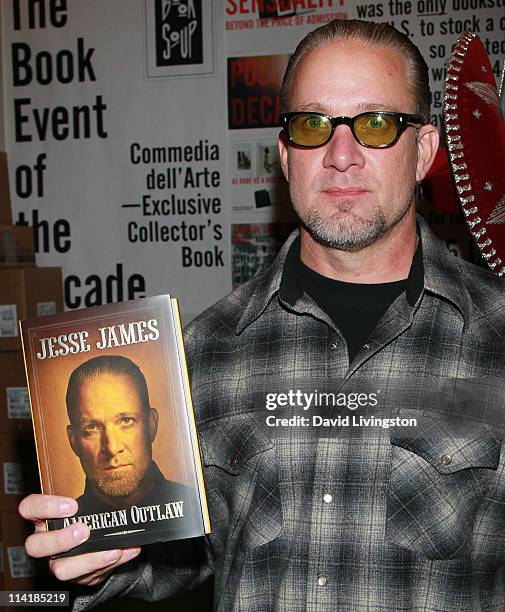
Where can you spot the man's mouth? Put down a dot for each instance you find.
(345, 191)
(111, 468)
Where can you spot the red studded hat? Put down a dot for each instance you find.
(475, 130)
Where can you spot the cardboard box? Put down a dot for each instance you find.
(26, 292)
(16, 246)
(5, 196)
(19, 475)
(15, 413)
(21, 572)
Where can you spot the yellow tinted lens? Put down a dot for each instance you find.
(375, 129)
(310, 130)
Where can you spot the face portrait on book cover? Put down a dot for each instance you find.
(112, 427)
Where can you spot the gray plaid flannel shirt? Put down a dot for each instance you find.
(332, 522)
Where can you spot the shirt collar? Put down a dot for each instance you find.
(443, 275)
(266, 285)
(433, 269)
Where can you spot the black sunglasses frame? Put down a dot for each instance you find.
(403, 121)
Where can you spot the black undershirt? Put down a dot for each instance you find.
(354, 308)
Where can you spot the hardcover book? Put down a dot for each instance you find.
(113, 422)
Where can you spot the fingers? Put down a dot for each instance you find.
(38, 507)
(91, 568)
(46, 543)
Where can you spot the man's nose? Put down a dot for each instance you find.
(111, 441)
(343, 150)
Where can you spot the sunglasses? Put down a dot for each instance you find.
(377, 130)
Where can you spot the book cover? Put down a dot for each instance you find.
(114, 424)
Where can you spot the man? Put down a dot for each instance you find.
(346, 523)
(112, 428)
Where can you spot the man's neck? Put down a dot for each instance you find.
(387, 260)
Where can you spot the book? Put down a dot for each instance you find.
(113, 422)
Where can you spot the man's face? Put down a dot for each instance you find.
(112, 434)
(348, 196)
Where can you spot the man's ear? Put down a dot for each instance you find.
(71, 438)
(153, 423)
(283, 153)
(427, 147)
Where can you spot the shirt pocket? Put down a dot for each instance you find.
(438, 483)
(242, 472)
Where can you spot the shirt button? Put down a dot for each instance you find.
(327, 498)
(366, 347)
(333, 346)
(322, 581)
(446, 459)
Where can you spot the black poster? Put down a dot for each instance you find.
(179, 32)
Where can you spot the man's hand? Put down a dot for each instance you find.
(90, 568)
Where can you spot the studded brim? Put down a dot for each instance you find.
(476, 145)
(501, 91)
